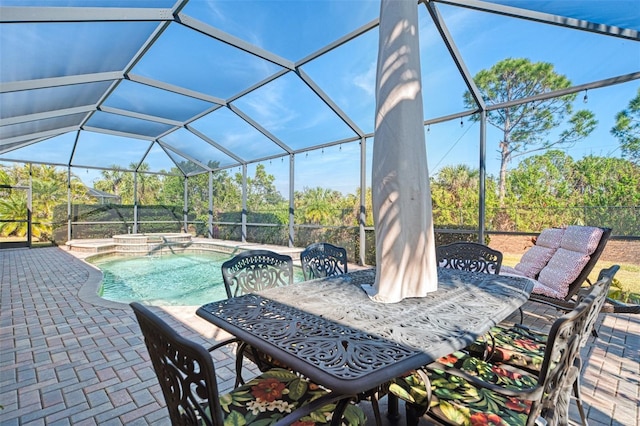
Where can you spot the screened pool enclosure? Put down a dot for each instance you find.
(195, 88)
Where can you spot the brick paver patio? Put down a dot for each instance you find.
(70, 357)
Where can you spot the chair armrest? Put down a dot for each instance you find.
(223, 343)
(560, 304)
(529, 393)
(612, 306)
(530, 332)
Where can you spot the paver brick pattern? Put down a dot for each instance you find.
(72, 360)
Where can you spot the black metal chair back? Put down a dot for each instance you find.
(605, 278)
(321, 260)
(469, 256)
(561, 366)
(255, 270)
(184, 369)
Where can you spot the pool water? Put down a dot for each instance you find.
(165, 280)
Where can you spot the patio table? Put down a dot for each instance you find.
(330, 331)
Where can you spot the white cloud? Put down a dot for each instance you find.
(367, 81)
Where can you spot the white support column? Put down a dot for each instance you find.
(135, 202)
(244, 203)
(292, 185)
(210, 227)
(482, 204)
(185, 206)
(30, 207)
(69, 233)
(363, 200)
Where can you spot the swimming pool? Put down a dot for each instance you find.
(185, 279)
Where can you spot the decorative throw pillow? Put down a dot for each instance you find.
(563, 268)
(534, 259)
(583, 239)
(550, 238)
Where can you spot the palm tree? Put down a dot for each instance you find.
(148, 186)
(49, 188)
(318, 204)
(13, 213)
(354, 201)
(111, 180)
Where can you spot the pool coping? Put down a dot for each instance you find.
(84, 250)
(91, 247)
(88, 291)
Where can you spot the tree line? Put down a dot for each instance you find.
(549, 189)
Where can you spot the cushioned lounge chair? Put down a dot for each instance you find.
(187, 377)
(459, 388)
(568, 302)
(560, 263)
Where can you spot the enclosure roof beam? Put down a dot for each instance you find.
(184, 155)
(41, 83)
(47, 114)
(261, 129)
(236, 42)
(455, 53)
(31, 137)
(214, 144)
(11, 15)
(117, 133)
(570, 90)
(140, 116)
(546, 18)
(339, 42)
(175, 89)
(329, 102)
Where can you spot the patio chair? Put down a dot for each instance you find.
(255, 270)
(560, 253)
(459, 387)
(568, 301)
(321, 260)
(247, 272)
(524, 348)
(469, 256)
(187, 377)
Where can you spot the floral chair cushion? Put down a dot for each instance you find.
(263, 361)
(515, 346)
(459, 402)
(276, 393)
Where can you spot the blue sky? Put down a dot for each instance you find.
(292, 30)
(582, 57)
